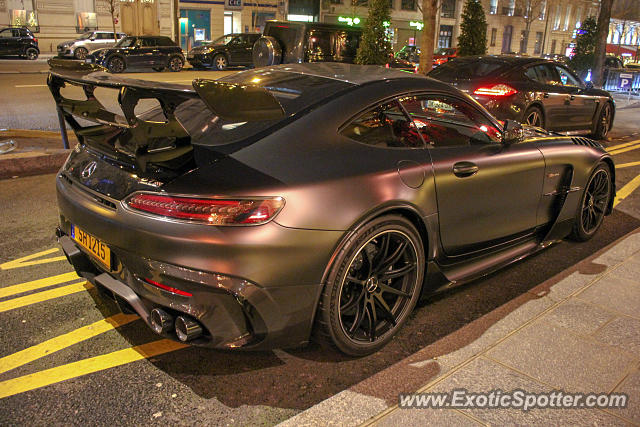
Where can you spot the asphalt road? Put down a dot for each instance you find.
(56, 369)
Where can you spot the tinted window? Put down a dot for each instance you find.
(105, 36)
(147, 42)
(5, 34)
(347, 43)
(295, 92)
(567, 78)
(126, 42)
(385, 125)
(461, 69)
(544, 74)
(319, 45)
(164, 41)
(448, 122)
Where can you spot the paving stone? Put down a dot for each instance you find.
(570, 284)
(426, 417)
(579, 317)
(622, 332)
(629, 270)
(614, 293)
(343, 409)
(484, 375)
(630, 386)
(553, 355)
(621, 251)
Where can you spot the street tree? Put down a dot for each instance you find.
(112, 5)
(585, 46)
(473, 30)
(601, 41)
(375, 47)
(427, 38)
(531, 10)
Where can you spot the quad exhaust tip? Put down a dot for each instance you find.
(187, 329)
(161, 321)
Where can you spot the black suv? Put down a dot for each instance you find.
(228, 50)
(155, 52)
(19, 41)
(292, 42)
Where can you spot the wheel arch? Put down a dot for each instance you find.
(612, 168)
(538, 104)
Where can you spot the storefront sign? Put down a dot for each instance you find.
(348, 20)
(417, 25)
(233, 4)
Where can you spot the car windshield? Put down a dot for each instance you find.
(222, 40)
(126, 42)
(461, 69)
(295, 92)
(85, 36)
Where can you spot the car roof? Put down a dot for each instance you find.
(352, 73)
(506, 59)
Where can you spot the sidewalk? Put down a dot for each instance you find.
(577, 332)
(35, 152)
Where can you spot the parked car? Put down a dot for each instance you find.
(155, 52)
(87, 42)
(18, 41)
(294, 42)
(409, 53)
(530, 90)
(442, 55)
(255, 208)
(228, 50)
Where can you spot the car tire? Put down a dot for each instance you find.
(593, 204)
(116, 65)
(80, 53)
(360, 310)
(604, 122)
(175, 64)
(220, 62)
(31, 53)
(158, 69)
(534, 117)
(266, 51)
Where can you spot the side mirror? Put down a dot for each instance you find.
(588, 85)
(512, 132)
(92, 37)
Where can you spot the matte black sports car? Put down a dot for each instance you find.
(249, 211)
(228, 50)
(530, 90)
(155, 52)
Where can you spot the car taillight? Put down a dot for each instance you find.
(168, 288)
(387, 65)
(208, 211)
(35, 40)
(496, 90)
(415, 70)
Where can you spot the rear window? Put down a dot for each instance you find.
(464, 69)
(295, 92)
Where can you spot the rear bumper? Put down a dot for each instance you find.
(252, 287)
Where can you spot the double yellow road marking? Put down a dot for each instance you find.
(31, 260)
(623, 148)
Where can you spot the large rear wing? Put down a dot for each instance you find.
(228, 101)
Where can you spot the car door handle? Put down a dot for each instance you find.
(464, 169)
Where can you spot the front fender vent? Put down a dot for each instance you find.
(586, 142)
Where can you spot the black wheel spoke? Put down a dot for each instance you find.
(385, 310)
(357, 321)
(384, 249)
(391, 290)
(393, 258)
(354, 280)
(392, 274)
(373, 320)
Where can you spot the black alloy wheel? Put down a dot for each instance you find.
(31, 53)
(80, 53)
(220, 62)
(593, 206)
(604, 122)
(534, 117)
(374, 285)
(175, 63)
(116, 65)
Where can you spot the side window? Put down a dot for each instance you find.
(385, 126)
(5, 34)
(148, 42)
(319, 45)
(543, 74)
(448, 122)
(236, 41)
(567, 78)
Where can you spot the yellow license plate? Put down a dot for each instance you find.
(94, 246)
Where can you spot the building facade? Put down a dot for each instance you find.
(54, 21)
(204, 20)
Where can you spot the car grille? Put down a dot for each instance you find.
(586, 142)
